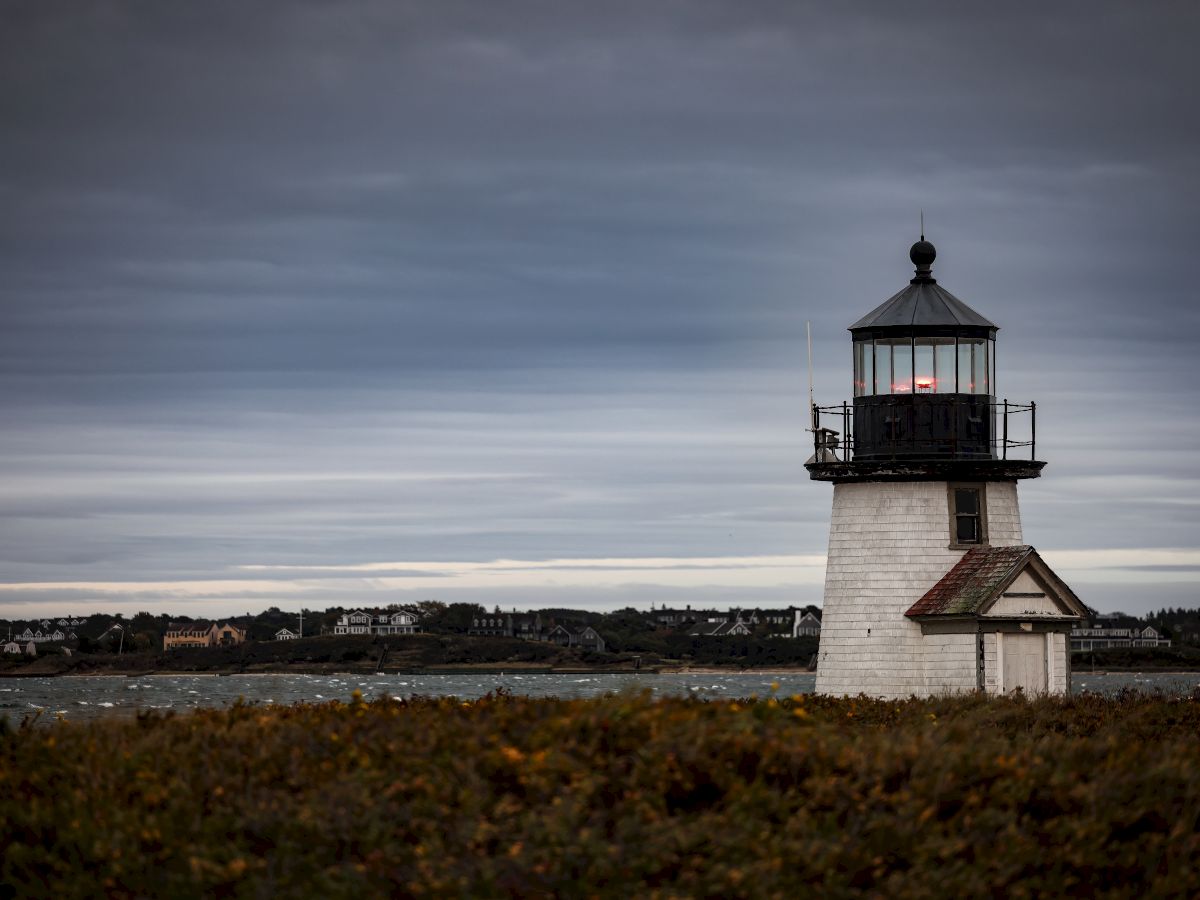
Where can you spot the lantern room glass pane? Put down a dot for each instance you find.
(924, 381)
(883, 367)
(902, 367)
(979, 369)
(863, 357)
(945, 376)
(972, 366)
(935, 369)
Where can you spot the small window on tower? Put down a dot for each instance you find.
(968, 517)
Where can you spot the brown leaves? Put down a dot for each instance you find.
(514, 796)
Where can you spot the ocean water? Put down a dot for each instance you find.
(78, 698)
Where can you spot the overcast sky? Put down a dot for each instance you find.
(371, 302)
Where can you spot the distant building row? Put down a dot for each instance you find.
(789, 622)
(530, 627)
(40, 637)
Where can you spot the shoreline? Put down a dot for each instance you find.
(509, 671)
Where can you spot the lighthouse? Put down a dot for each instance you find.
(929, 586)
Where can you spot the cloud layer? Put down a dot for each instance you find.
(299, 284)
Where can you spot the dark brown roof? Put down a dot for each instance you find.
(973, 581)
(176, 627)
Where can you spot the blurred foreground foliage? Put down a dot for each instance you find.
(625, 795)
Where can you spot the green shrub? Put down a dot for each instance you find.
(617, 796)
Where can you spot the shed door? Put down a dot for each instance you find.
(1025, 663)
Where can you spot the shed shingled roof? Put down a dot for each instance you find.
(973, 581)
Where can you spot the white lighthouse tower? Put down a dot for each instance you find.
(929, 586)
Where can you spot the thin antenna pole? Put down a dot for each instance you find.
(811, 404)
(922, 224)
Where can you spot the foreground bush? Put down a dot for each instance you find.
(613, 797)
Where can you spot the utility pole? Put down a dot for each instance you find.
(301, 621)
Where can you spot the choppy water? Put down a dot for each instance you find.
(88, 697)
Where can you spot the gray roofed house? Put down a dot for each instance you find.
(736, 628)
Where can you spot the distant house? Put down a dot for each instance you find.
(12, 647)
(495, 624)
(526, 626)
(674, 618)
(585, 637)
(187, 634)
(40, 636)
(780, 620)
(202, 634)
(736, 628)
(806, 625)
(228, 635)
(357, 622)
(362, 622)
(286, 634)
(1088, 636)
(394, 623)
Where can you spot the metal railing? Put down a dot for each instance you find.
(1014, 427)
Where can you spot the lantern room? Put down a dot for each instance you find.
(924, 374)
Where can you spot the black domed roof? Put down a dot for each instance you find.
(924, 306)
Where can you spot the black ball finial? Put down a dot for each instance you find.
(922, 253)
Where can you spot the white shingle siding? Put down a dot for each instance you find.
(949, 663)
(991, 662)
(888, 545)
(1059, 678)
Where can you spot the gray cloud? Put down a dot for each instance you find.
(290, 282)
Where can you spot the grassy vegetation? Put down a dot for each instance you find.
(611, 797)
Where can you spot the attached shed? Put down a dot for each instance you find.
(999, 620)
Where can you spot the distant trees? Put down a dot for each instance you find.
(436, 617)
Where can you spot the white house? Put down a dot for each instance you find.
(1089, 637)
(357, 622)
(286, 634)
(395, 623)
(12, 647)
(360, 622)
